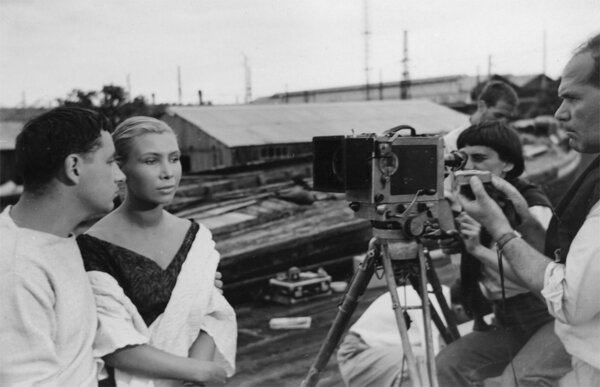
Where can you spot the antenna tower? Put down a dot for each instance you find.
(367, 33)
(248, 81)
(405, 84)
(128, 87)
(179, 83)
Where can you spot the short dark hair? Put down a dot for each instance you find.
(501, 138)
(495, 91)
(49, 138)
(593, 47)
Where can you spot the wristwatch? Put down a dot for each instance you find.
(505, 238)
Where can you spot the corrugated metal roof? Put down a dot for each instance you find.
(9, 130)
(243, 125)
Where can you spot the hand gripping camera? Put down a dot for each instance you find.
(394, 180)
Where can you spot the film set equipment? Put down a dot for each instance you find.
(397, 183)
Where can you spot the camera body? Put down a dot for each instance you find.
(380, 169)
(386, 178)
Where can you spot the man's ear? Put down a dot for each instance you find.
(507, 167)
(72, 168)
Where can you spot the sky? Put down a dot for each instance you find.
(48, 48)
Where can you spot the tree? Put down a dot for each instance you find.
(113, 102)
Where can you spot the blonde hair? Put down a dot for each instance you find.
(133, 127)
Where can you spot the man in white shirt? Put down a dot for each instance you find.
(47, 310)
(569, 284)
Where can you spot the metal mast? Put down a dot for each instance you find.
(179, 83)
(248, 81)
(367, 33)
(405, 83)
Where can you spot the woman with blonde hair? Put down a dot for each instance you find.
(160, 315)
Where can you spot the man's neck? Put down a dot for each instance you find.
(47, 213)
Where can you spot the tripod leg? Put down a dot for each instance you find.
(437, 320)
(437, 290)
(427, 319)
(356, 289)
(392, 287)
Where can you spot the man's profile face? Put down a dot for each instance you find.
(579, 112)
(501, 111)
(99, 174)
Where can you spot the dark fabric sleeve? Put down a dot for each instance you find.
(533, 194)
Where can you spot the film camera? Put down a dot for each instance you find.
(390, 179)
(396, 181)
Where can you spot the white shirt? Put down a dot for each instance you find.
(451, 138)
(572, 292)
(378, 328)
(47, 310)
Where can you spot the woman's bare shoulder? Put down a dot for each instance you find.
(177, 222)
(107, 228)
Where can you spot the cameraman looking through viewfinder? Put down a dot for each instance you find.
(521, 328)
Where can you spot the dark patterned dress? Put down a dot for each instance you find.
(147, 285)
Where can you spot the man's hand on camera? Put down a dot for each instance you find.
(470, 231)
(485, 210)
(451, 243)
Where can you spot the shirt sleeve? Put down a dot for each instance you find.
(542, 214)
(27, 328)
(119, 323)
(571, 290)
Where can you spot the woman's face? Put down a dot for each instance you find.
(483, 158)
(152, 167)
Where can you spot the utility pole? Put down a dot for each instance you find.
(489, 67)
(367, 33)
(405, 83)
(128, 80)
(544, 84)
(248, 81)
(179, 83)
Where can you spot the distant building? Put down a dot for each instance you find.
(537, 92)
(453, 91)
(212, 137)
